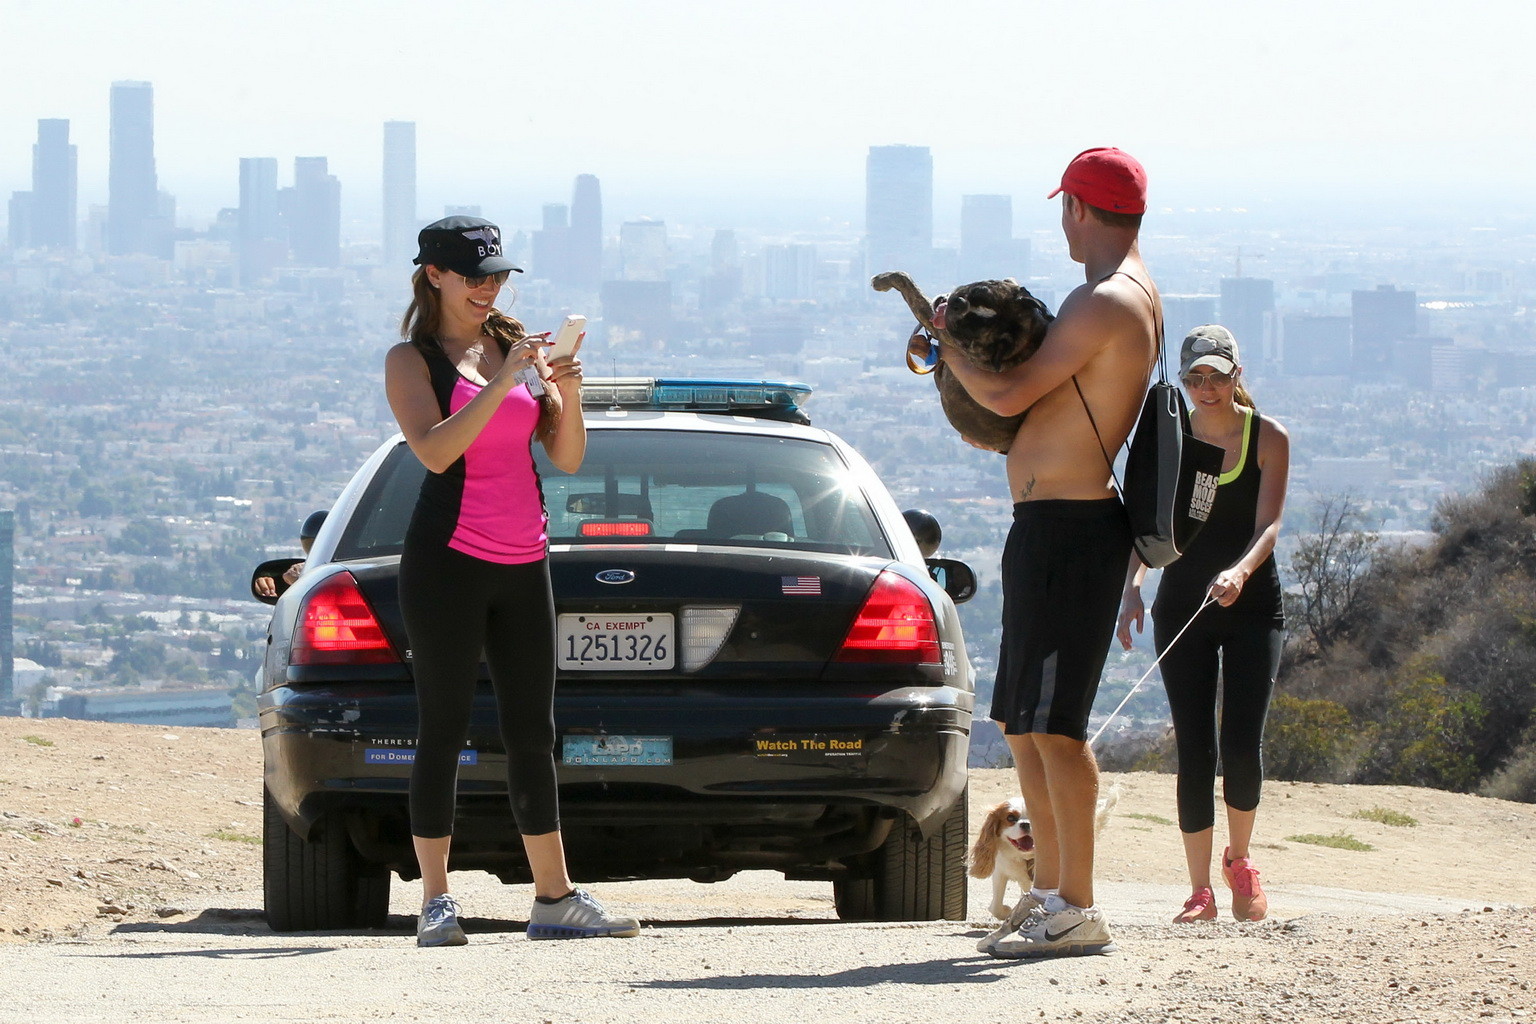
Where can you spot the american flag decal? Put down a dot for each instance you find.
(801, 585)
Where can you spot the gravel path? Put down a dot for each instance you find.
(149, 907)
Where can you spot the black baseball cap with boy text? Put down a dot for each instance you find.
(469, 246)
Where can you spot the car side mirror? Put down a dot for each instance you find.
(957, 578)
(925, 530)
(267, 583)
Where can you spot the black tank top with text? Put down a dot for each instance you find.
(1221, 542)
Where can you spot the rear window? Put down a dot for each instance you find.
(650, 486)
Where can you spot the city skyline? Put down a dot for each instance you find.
(690, 115)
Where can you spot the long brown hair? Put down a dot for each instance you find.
(1241, 396)
(423, 320)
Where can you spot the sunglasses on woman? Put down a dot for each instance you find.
(500, 277)
(1194, 381)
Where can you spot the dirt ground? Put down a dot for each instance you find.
(110, 828)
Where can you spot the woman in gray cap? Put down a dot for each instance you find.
(1237, 639)
(474, 572)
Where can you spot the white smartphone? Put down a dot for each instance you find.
(568, 338)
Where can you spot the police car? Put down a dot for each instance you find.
(760, 666)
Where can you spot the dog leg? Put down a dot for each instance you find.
(999, 909)
(920, 305)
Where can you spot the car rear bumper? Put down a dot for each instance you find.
(795, 782)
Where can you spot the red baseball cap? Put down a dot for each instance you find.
(1108, 178)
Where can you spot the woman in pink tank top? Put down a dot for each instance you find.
(474, 573)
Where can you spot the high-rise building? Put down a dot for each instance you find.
(1248, 311)
(1381, 321)
(1182, 314)
(1316, 345)
(551, 245)
(259, 238)
(7, 585)
(789, 272)
(54, 184)
(643, 250)
(898, 210)
(585, 251)
(18, 230)
(133, 194)
(399, 192)
(314, 214)
(988, 249)
(722, 285)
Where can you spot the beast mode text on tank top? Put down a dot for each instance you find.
(489, 503)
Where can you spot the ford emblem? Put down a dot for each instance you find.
(615, 576)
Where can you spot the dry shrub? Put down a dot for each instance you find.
(1516, 780)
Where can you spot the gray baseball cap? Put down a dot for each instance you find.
(1212, 345)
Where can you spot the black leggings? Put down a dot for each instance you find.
(455, 606)
(1249, 658)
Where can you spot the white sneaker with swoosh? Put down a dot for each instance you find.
(1073, 931)
(1028, 905)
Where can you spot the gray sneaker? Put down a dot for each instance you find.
(1029, 903)
(1069, 932)
(438, 924)
(578, 916)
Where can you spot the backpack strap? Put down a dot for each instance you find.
(1157, 361)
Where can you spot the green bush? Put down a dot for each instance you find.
(1425, 739)
(1304, 739)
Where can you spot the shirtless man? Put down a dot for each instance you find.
(1064, 562)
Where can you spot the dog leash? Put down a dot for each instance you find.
(1113, 714)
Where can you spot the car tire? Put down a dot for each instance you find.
(321, 884)
(910, 878)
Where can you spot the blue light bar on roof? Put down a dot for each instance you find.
(769, 399)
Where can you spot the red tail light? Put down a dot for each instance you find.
(615, 528)
(895, 625)
(337, 627)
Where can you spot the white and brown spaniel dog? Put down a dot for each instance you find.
(1004, 850)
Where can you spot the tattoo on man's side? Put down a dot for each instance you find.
(1024, 494)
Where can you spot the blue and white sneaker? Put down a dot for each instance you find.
(578, 916)
(438, 924)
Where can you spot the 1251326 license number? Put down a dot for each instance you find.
(609, 642)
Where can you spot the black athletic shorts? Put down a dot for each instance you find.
(1063, 571)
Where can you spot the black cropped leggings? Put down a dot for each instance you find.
(1243, 653)
(454, 607)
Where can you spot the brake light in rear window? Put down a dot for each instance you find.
(337, 627)
(620, 528)
(896, 624)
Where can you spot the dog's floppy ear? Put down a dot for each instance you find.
(984, 852)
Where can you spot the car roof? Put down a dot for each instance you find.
(717, 422)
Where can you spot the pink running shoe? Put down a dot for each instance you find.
(1199, 907)
(1248, 900)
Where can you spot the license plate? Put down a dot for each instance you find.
(616, 750)
(609, 643)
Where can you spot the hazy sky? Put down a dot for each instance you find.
(685, 108)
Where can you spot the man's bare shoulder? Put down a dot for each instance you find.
(1112, 312)
(1111, 298)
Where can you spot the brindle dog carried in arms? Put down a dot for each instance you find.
(996, 325)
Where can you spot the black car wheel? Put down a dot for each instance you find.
(322, 884)
(910, 878)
